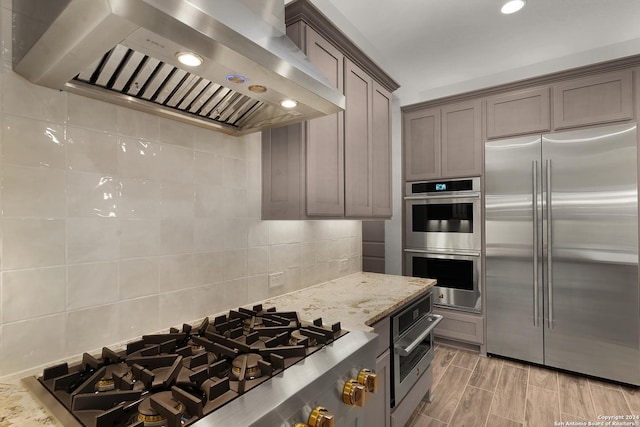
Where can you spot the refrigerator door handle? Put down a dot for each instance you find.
(534, 195)
(549, 245)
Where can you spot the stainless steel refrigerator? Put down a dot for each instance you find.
(562, 251)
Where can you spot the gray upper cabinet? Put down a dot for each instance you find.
(325, 137)
(421, 135)
(518, 113)
(335, 166)
(443, 142)
(358, 149)
(367, 145)
(591, 100)
(462, 140)
(381, 151)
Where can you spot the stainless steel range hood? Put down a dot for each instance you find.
(124, 52)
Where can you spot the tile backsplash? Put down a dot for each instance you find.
(117, 223)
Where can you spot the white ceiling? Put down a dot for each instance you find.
(435, 48)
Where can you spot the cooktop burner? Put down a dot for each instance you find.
(176, 378)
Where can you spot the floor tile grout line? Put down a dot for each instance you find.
(460, 398)
(626, 399)
(593, 402)
(526, 398)
(559, 402)
(493, 398)
(510, 419)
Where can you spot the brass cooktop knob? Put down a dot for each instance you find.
(354, 393)
(320, 417)
(368, 379)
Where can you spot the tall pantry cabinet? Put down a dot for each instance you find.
(335, 166)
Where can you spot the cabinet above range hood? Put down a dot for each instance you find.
(126, 52)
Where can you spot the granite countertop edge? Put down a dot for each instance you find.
(357, 301)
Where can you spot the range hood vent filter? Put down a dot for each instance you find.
(130, 73)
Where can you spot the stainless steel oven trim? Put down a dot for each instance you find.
(449, 294)
(475, 188)
(458, 196)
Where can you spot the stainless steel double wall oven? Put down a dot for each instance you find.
(443, 238)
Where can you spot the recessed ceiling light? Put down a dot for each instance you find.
(512, 6)
(189, 58)
(288, 103)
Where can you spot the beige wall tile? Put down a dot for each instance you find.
(32, 342)
(139, 198)
(176, 272)
(209, 267)
(137, 158)
(139, 316)
(92, 284)
(92, 151)
(137, 124)
(175, 164)
(139, 237)
(138, 278)
(33, 192)
(92, 114)
(90, 329)
(22, 98)
(92, 239)
(30, 142)
(33, 293)
(92, 195)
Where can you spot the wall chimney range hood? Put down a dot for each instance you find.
(126, 52)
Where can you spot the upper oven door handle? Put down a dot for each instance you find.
(406, 350)
(473, 195)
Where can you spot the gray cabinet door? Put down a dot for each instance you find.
(358, 149)
(518, 113)
(381, 151)
(282, 172)
(421, 135)
(462, 140)
(378, 406)
(592, 100)
(325, 137)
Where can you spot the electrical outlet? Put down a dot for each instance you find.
(344, 264)
(276, 279)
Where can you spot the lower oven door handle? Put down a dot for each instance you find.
(406, 350)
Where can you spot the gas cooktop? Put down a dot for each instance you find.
(173, 379)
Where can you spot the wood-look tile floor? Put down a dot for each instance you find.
(470, 390)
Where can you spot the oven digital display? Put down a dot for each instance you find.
(441, 187)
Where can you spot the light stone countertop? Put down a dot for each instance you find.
(356, 301)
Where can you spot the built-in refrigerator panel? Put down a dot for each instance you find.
(580, 273)
(591, 273)
(513, 261)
